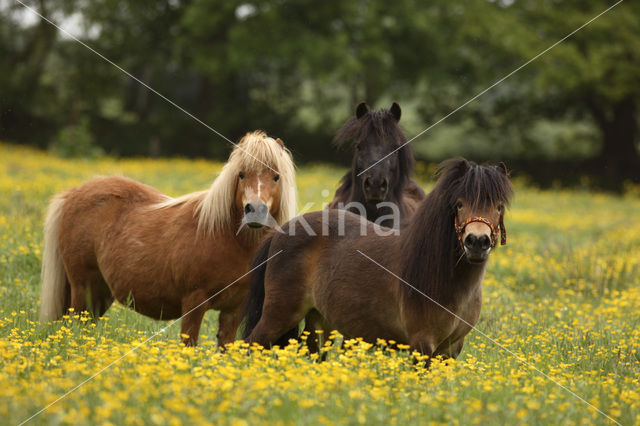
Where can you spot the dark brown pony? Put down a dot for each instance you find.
(113, 237)
(374, 135)
(340, 282)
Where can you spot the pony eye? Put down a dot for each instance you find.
(241, 175)
(276, 178)
(459, 205)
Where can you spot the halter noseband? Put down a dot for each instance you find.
(494, 232)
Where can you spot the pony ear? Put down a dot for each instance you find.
(463, 165)
(503, 168)
(453, 167)
(280, 142)
(396, 111)
(361, 109)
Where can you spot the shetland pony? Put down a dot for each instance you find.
(375, 134)
(115, 238)
(338, 281)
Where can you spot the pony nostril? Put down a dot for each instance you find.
(384, 184)
(470, 241)
(249, 208)
(263, 209)
(484, 242)
(367, 183)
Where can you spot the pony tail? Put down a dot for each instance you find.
(255, 301)
(55, 287)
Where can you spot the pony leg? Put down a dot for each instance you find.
(275, 322)
(89, 292)
(277, 299)
(424, 343)
(101, 301)
(451, 350)
(100, 297)
(312, 322)
(228, 323)
(193, 311)
(78, 296)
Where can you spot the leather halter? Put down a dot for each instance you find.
(494, 232)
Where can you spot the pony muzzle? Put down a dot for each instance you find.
(476, 246)
(256, 215)
(375, 189)
(477, 236)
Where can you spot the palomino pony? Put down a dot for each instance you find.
(347, 282)
(113, 237)
(375, 134)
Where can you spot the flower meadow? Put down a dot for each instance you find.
(558, 338)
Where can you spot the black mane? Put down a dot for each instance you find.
(384, 126)
(431, 248)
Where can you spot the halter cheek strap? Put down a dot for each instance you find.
(503, 231)
(460, 227)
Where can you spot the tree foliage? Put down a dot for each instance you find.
(297, 68)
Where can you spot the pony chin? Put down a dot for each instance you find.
(375, 200)
(476, 257)
(255, 225)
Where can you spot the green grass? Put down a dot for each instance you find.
(564, 295)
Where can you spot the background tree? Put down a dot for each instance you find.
(592, 76)
(23, 56)
(297, 68)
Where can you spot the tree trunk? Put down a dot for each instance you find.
(619, 157)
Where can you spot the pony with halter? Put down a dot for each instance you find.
(115, 238)
(421, 287)
(378, 183)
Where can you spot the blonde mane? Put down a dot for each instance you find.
(253, 153)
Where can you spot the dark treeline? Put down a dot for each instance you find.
(298, 68)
